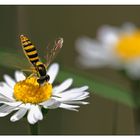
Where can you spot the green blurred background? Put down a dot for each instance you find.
(43, 24)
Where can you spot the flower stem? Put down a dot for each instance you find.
(34, 129)
(135, 85)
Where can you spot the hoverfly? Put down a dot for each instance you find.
(32, 55)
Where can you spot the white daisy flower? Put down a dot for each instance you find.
(115, 47)
(24, 95)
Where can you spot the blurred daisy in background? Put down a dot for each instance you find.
(115, 47)
(24, 95)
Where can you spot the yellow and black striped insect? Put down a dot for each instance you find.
(32, 55)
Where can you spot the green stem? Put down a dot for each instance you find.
(135, 90)
(34, 129)
(135, 85)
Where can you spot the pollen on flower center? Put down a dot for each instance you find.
(128, 47)
(29, 91)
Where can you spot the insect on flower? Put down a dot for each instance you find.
(39, 68)
(34, 94)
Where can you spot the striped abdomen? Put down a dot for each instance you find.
(29, 49)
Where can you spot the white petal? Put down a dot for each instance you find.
(37, 113)
(51, 104)
(87, 42)
(26, 106)
(76, 102)
(81, 97)
(11, 82)
(128, 28)
(14, 104)
(6, 90)
(34, 114)
(30, 116)
(3, 107)
(3, 114)
(5, 99)
(69, 107)
(18, 115)
(84, 95)
(73, 96)
(108, 35)
(133, 68)
(5, 110)
(63, 86)
(81, 89)
(89, 48)
(19, 76)
(93, 54)
(70, 97)
(91, 62)
(52, 72)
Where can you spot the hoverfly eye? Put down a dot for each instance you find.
(47, 77)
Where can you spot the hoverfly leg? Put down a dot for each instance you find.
(31, 75)
(47, 77)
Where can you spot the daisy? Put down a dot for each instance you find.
(118, 48)
(25, 96)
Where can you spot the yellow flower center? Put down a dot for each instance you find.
(128, 47)
(29, 91)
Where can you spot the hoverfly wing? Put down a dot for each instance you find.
(51, 54)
